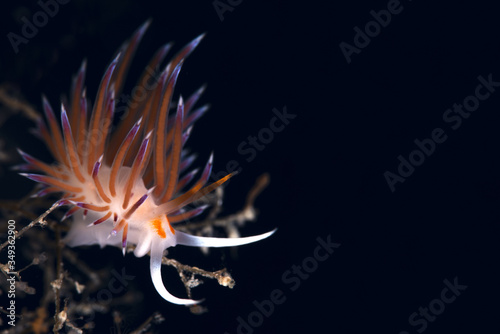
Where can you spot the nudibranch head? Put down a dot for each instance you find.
(128, 185)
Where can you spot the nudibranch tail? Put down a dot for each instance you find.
(126, 186)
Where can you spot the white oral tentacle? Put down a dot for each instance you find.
(156, 256)
(194, 241)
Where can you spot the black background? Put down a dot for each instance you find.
(327, 166)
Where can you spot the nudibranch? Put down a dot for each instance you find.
(128, 182)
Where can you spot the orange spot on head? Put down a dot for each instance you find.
(159, 229)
